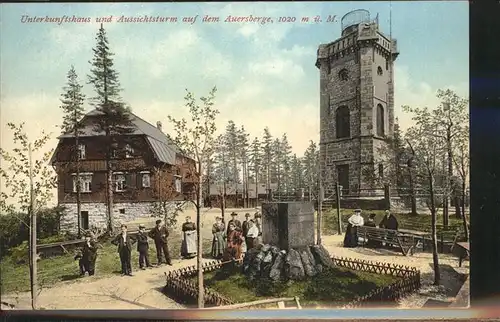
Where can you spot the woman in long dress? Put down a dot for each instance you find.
(351, 233)
(234, 241)
(188, 246)
(219, 240)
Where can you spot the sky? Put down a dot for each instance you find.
(265, 74)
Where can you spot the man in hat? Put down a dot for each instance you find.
(124, 243)
(389, 222)
(143, 247)
(234, 221)
(88, 256)
(257, 219)
(245, 225)
(371, 223)
(159, 234)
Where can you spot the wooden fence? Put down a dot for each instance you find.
(180, 287)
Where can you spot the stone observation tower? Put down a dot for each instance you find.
(356, 106)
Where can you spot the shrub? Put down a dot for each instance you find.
(15, 230)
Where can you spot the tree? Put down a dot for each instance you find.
(232, 141)
(311, 162)
(243, 155)
(297, 174)
(256, 161)
(30, 184)
(72, 105)
(220, 172)
(286, 151)
(276, 164)
(164, 207)
(267, 146)
(426, 147)
(114, 119)
(461, 159)
(197, 141)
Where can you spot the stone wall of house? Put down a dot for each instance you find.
(122, 213)
(360, 53)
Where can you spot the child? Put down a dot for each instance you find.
(143, 247)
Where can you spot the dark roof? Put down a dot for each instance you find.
(164, 148)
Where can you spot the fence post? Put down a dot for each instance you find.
(338, 193)
(442, 242)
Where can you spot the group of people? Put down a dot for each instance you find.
(124, 241)
(228, 243)
(233, 242)
(356, 220)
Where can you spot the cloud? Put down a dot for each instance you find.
(417, 94)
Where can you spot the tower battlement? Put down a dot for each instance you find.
(356, 105)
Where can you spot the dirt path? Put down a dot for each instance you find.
(143, 290)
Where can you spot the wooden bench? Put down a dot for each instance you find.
(280, 302)
(464, 250)
(404, 242)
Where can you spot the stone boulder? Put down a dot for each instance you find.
(294, 268)
(309, 266)
(267, 263)
(276, 272)
(321, 255)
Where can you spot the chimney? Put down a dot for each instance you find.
(158, 125)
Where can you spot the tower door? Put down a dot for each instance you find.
(343, 177)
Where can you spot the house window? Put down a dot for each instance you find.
(129, 151)
(85, 182)
(343, 122)
(381, 170)
(380, 120)
(146, 180)
(178, 184)
(343, 75)
(84, 219)
(114, 153)
(81, 151)
(120, 182)
(379, 71)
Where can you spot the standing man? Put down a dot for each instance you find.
(258, 223)
(124, 242)
(246, 224)
(252, 235)
(234, 221)
(143, 247)
(159, 234)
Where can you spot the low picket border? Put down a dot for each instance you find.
(180, 287)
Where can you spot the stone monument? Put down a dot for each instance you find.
(288, 225)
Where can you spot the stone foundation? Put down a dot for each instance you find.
(122, 213)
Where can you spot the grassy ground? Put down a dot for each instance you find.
(418, 222)
(334, 286)
(15, 277)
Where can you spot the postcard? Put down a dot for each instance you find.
(235, 156)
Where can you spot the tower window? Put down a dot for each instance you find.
(381, 170)
(343, 122)
(379, 71)
(380, 120)
(386, 65)
(343, 75)
(328, 67)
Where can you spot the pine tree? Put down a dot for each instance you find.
(243, 155)
(267, 147)
(276, 165)
(256, 162)
(114, 117)
(72, 105)
(233, 150)
(297, 174)
(286, 151)
(311, 161)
